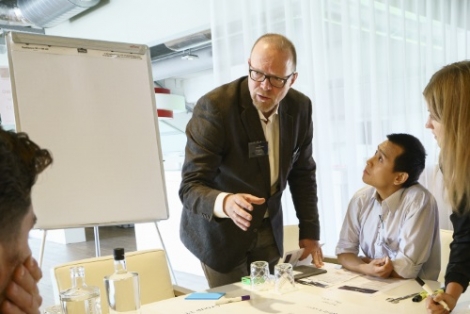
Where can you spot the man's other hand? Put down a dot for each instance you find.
(312, 247)
(238, 206)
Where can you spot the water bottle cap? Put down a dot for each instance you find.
(118, 254)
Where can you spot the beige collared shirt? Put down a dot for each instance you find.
(271, 133)
(404, 227)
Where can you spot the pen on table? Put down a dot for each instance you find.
(430, 292)
(230, 300)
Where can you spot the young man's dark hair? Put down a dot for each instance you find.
(413, 158)
(21, 160)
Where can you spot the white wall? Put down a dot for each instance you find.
(197, 86)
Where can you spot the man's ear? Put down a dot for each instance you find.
(294, 78)
(400, 178)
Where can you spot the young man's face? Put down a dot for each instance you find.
(15, 253)
(379, 168)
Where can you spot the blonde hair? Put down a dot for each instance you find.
(448, 98)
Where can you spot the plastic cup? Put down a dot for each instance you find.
(283, 278)
(259, 275)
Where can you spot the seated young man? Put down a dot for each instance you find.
(394, 220)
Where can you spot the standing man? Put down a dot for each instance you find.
(245, 141)
(21, 160)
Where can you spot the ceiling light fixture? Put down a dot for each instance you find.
(189, 56)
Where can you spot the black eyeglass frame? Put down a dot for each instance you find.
(266, 76)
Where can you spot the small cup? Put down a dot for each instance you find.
(259, 275)
(283, 278)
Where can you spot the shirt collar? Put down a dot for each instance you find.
(392, 202)
(262, 117)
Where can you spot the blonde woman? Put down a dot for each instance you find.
(448, 98)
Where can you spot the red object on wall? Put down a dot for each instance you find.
(165, 113)
(161, 90)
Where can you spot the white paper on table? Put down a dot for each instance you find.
(333, 277)
(293, 257)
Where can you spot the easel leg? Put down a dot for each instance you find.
(41, 250)
(166, 254)
(97, 241)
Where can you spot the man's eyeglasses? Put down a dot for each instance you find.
(273, 80)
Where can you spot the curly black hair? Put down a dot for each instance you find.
(21, 160)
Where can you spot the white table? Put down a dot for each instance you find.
(306, 299)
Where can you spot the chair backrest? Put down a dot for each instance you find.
(446, 239)
(291, 238)
(154, 275)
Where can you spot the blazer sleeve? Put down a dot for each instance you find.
(302, 177)
(203, 155)
(459, 259)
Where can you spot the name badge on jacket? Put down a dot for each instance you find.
(257, 149)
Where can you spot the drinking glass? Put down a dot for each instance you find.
(283, 278)
(259, 275)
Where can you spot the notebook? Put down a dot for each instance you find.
(303, 271)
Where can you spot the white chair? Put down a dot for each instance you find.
(154, 274)
(291, 238)
(446, 239)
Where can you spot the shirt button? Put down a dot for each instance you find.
(255, 230)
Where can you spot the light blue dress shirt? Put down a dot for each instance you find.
(404, 227)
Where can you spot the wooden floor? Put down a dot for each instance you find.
(110, 237)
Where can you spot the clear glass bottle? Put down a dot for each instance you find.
(80, 299)
(122, 287)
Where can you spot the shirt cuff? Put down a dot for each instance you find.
(404, 267)
(219, 206)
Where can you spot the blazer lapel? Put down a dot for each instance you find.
(286, 138)
(252, 124)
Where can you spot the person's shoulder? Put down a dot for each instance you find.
(361, 201)
(418, 194)
(296, 104)
(228, 89)
(417, 190)
(364, 194)
(221, 98)
(296, 96)
(366, 191)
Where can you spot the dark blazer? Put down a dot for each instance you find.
(224, 122)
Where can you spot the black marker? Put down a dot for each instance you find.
(420, 297)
